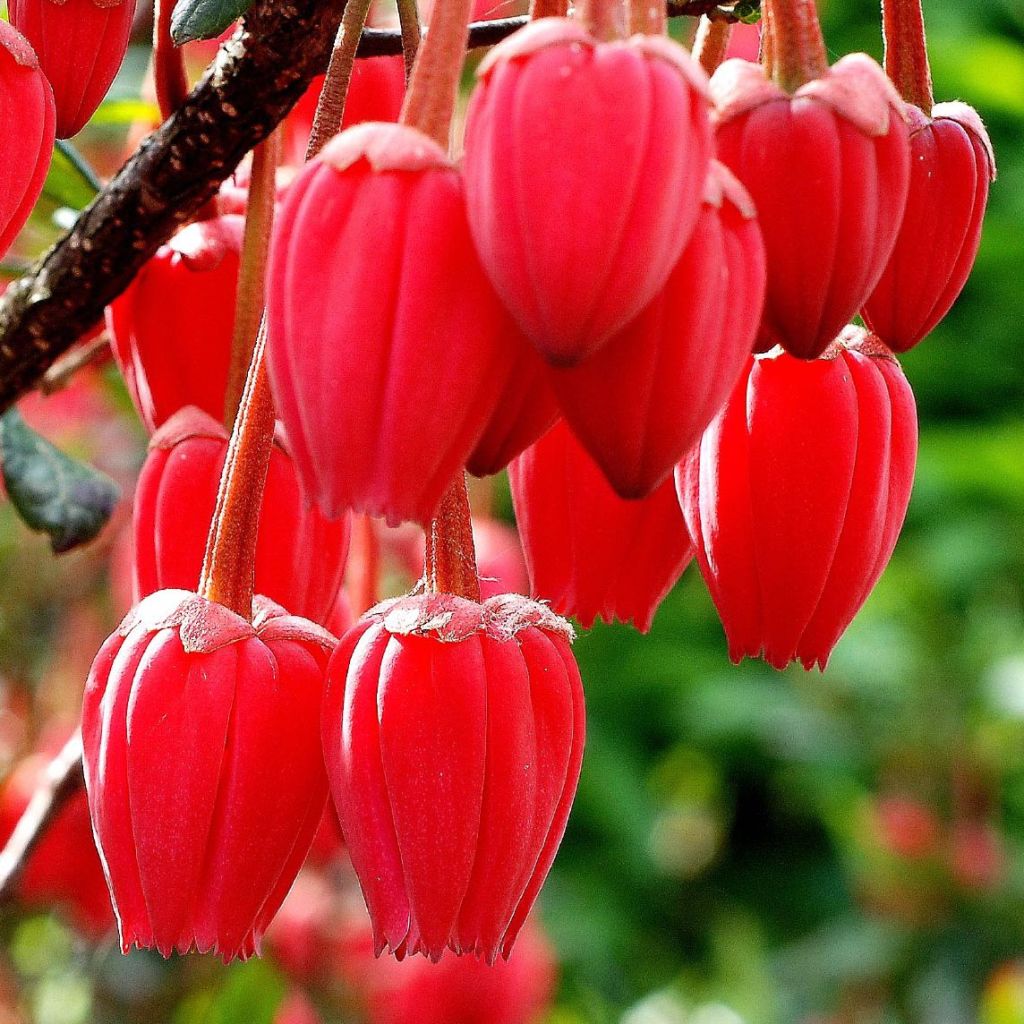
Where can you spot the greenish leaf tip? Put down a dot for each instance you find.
(204, 19)
(52, 492)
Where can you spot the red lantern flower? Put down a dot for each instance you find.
(27, 125)
(171, 328)
(453, 734)
(591, 553)
(641, 402)
(387, 351)
(828, 168)
(205, 780)
(585, 163)
(952, 164)
(796, 495)
(300, 555)
(81, 44)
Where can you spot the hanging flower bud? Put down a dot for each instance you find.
(641, 402)
(300, 555)
(796, 495)
(171, 328)
(951, 167)
(584, 163)
(952, 164)
(453, 734)
(81, 45)
(827, 166)
(387, 347)
(204, 776)
(27, 125)
(591, 553)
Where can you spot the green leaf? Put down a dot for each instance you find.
(52, 492)
(204, 19)
(71, 181)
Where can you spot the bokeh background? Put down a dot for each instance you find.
(747, 847)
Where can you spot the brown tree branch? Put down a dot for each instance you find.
(258, 77)
(63, 779)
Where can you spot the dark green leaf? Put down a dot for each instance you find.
(51, 491)
(204, 19)
(70, 181)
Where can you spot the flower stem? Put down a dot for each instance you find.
(906, 52)
(430, 99)
(548, 9)
(711, 43)
(250, 296)
(331, 106)
(601, 17)
(450, 563)
(168, 62)
(364, 565)
(229, 563)
(647, 17)
(797, 53)
(409, 20)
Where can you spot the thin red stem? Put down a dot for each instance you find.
(450, 563)
(168, 62)
(251, 290)
(409, 20)
(364, 565)
(229, 563)
(797, 51)
(430, 99)
(603, 18)
(906, 52)
(548, 9)
(330, 108)
(711, 43)
(647, 17)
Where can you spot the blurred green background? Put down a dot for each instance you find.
(747, 847)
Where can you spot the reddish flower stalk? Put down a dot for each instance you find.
(797, 55)
(168, 62)
(450, 563)
(331, 105)
(711, 42)
(228, 567)
(364, 565)
(906, 51)
(601, 18)
(430, 100)
(647, 17)
(409, 20)
(259, 219)
(548, 9)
